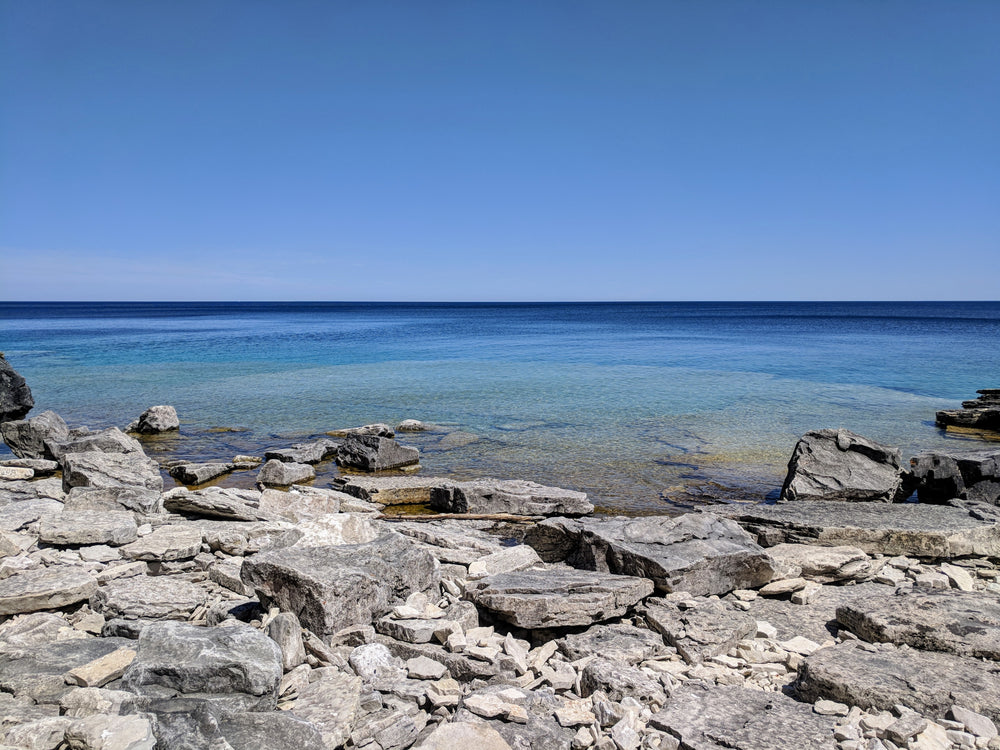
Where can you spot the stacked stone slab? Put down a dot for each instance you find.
(982, 413)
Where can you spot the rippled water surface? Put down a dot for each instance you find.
(640, 405)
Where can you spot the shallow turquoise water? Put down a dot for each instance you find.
(633, 403)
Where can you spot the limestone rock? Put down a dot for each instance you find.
(943, 475)
(215, 502)
(210, 661)
(156, 419)
(824, 564)
(102, 670)
(88, 527)
(463, 735)
(374, 453)
(194, 474)
(45, 588)
(15, 472)
(621, 643)
(110, 440)
(700, 553)
(147, 598)
(304, 453)
(273, 730)
(734, 718)
(378, 429)
(40, 467)
(107, 732)
(507, 560)
(300, 503)
(338, 529)
(15, 395)
(330, 588)
(957, 622)
(137, 499)
(405, 490)
(284, 629)
(282, 474)
(165, 543)
(914, 529)
(413, 425)
(514, 496)
(619, 681)
(29, 438)
(710, 628)
(110, 470)
(884, 676)
(557, 596)
(524, 718)
(330, 703)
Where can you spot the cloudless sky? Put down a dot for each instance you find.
(520, 150)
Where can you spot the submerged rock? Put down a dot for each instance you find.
(371, 452)
(31, 438)
(15, 395)
(514, 496)
(304, 453)
(700, 553)
(557, 596)
(840, 465)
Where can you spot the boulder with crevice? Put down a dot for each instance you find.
(30, 438)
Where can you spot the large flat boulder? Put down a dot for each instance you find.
(914, 529)
(514, 496)
(110, 440)
(823, 564)
(723, 717)
(147, 598)
(15, 395)
(557, 596)
(944, 475)
(403, 490)
(216, 502)
(619, 642)
(958, 622)
(372, 452)
(701, 628)
(195, 474)
(700, 553)
(234, 662)
(110, 470)
(300, 503)
(883, 676)
(45, 588)
(137, 499)
(840, 465)
(305, 453)
(76, 528)
(329, 588)
(29, 438)
(173, 542)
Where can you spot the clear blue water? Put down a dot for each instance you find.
(637, 404)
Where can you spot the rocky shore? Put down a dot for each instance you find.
(133, 617)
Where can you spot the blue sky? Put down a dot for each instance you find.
(469, 150)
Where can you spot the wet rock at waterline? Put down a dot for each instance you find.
(154, 420)
(15, 395)
(31, 438)
(372, 452)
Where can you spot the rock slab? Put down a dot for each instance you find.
(513, 496)
(371, 452)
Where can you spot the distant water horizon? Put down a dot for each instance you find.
(646, 406)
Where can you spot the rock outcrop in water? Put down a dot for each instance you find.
(15, 395)
(982, 413)
(306, 620)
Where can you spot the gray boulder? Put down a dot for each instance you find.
(15, 395)
(537, 728)
(199, 473)
(234, 662)
(282, 474)
(400, 490)
(77, 528)
(823, 564)
(618, 681)
(944, 475)
(137, 499)
(508, 496)
(709, 628)
(914, 529)
(147, 598)
(111, 470)
(705, 717)
(166, 543)
(40, 467)
(372, 452)
(216, 502)
(156, 419)
(882, 677)
(110, 440)
(274, 730)
(329, 588)
(700, 553)
(29, 438)
(45, 588)
(958, 622)
(982, 413)
(557, 596)
(300, 503)
(840, 465)
(331, 703)
(379, 429)
(305, 453)
(621, 643)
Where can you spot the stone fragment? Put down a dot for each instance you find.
(840, 465)
(15, 473)
(40, 467)
(15, 395)
(30, 438)
(108, 732)
(944, 475)
(915, 529)
(41, 734)
(88, 527)
(338, 529)
(304, 453)
(284, 629)
(235, 663)
(927, 682)
(102, 670)
(621, 643)
(451, 736)
(199, 473)
(710, 628)
(618, 682)
(226, 573)
(166, 543)
(721, 717)
(282, 474)
(957, 622)
(273, 730)
(824, 564)
(413, 425)
(700, 553)
(378, 428)
(783, 587)
(147, 598)
(89, 701)
(45, 588)
(375, 453)
(960, 578)
(528, 718)
(422, 668)
(519, 557)
(331, 703)
(330, 588)
(156, 419)
(976, 723)
(557, 596)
